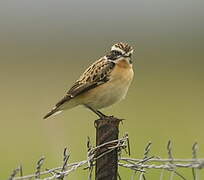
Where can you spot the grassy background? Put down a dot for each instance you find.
(45, 45)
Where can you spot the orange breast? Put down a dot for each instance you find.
(124, 64)
(123, 70)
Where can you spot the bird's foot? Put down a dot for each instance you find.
(102, 116)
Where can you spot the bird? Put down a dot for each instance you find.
(103, 84)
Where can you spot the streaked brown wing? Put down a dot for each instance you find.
(97, 74)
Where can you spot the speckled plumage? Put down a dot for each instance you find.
(104, 83)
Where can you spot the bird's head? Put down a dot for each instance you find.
(120, 51)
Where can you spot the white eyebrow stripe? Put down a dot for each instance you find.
(117, 49)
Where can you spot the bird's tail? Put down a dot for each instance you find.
(64, 104)
(53, 112)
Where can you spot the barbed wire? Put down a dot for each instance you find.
(140, 166)
(66, 169)
(170, 164)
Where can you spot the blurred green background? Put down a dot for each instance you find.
(46, 44)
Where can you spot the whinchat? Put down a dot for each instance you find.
(104, 83)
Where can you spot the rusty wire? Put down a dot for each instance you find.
(139, 166)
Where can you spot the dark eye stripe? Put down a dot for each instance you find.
(114, 55)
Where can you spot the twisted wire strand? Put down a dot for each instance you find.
(141, 165)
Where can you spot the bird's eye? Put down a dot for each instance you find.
(116, 53)
(113, 55)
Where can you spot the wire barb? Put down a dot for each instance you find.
(169, 149)
(38, 167)
(138, 165)
(194, 156)
(14, 173)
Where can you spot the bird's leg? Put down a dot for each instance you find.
(97, 112)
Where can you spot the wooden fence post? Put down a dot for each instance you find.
(107, 129)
